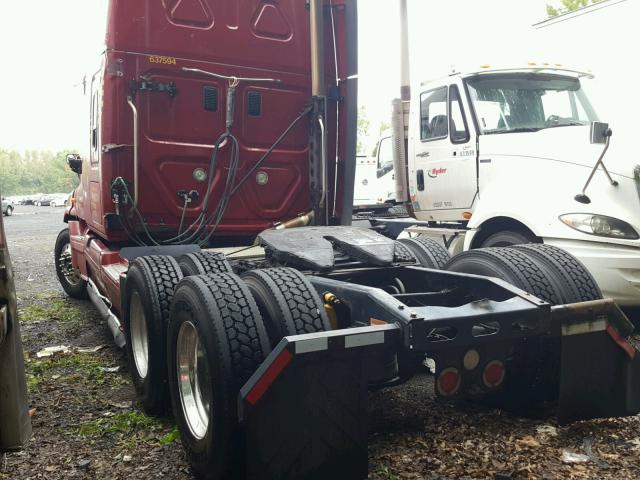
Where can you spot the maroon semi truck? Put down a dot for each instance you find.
(217, 123)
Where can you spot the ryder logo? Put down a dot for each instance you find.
(434, 172)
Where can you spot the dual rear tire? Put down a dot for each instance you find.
(216, 341)
(548, 272)
(554, 276)
(222, 328)
(195, 338)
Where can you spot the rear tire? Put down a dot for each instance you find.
(577, 283)
(202, 263)
(512, 266)
(533, 371)
(216, 341)
(429, 253)
(68, 276)
(288, 303)
(9, 211)
(507, 239)
(148, 293)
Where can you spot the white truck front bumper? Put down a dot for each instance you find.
(616, 268)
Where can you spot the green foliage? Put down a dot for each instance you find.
(35, 172)
(119, 423)
(568, 6)
(172, 436)
(130, 429)
(76, 367)
(52, 307)
(363, 128)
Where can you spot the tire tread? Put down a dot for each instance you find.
(429, 252)
(575, 276)
(242, 323)
(304, 309)
(202, 263)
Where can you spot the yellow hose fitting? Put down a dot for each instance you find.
(329, 300)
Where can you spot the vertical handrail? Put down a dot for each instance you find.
(323, 198)
(135, 150)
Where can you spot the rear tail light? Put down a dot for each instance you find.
(493, 374)
(448, 382)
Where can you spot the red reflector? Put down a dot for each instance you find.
(493, 374)
(274, 370)
(622, 343)
(448, 381)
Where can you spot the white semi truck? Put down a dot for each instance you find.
(501, 156)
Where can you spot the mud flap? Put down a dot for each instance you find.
(304, 411)
(600, 368)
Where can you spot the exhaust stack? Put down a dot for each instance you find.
(400, 112)
(318, 176)
(405, 70)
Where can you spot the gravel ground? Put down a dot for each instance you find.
(87, 424)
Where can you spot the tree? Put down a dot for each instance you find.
(363, 129)
(568, 6)
(35, 172)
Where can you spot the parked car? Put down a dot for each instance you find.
(59, 199)
(15, 424)
(7, 207)
(31, 199)
(43, 201)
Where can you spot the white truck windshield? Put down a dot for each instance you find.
(528, 102)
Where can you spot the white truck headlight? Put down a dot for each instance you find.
(600, 225)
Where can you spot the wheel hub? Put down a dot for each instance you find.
(139, 335)
(193, 380)
(71, 274)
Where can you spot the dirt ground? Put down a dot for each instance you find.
(87, 424)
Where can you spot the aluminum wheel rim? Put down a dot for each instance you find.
(193, 380)
(71, 274)
(139, 338)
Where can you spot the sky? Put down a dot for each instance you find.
(45, 59)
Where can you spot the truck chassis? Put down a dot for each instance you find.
(268, 358)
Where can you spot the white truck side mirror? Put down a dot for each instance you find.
(600, 132)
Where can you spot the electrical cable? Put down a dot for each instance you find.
(272, 148)
(256, 165)
(184, 210)
(202, 223)
(184, 237)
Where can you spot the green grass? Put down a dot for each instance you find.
(51, 307)
(172, 436)
(131, 428)
(125, 423)
(77, 367)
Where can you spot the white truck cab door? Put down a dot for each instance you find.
(444, 175)
(385, 175)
